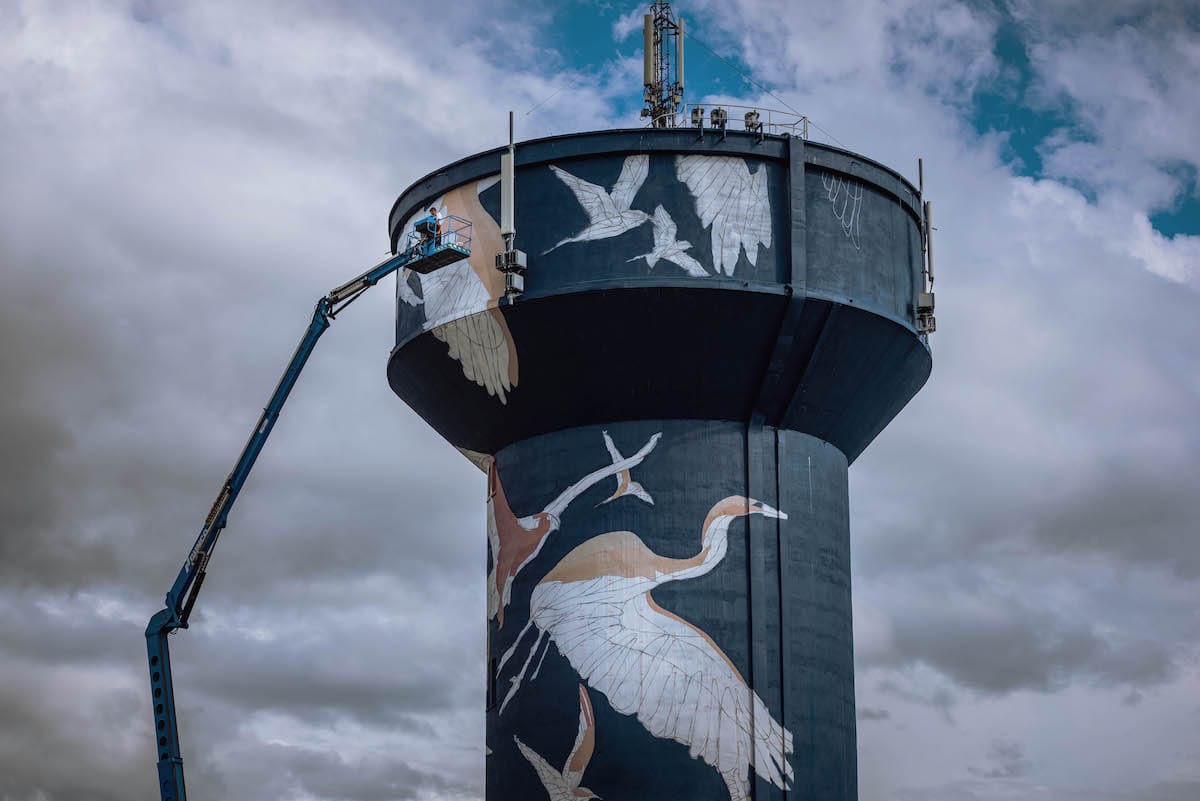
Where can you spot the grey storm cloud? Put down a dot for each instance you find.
(1075, 451)
(45, 724)
(318, 774)
(159, 265)
(1006, 760)
(871, 713)
(939, 699)
(322, 667)
(1001, 787)
(34, 486)
(1014, 647)
(1133, 514)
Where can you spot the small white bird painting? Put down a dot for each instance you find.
(563, 785)
(609, 213)
(625, 484)
(667, 248)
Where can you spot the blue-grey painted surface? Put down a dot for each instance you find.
(777, 605)
(766, 341)
(864, 252)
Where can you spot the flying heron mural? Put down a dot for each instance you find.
(515, 541)
(596, 607)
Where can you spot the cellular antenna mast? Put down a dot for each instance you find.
(663, 96)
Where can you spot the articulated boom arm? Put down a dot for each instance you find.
(423, 255)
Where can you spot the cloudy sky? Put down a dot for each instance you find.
(182, 181)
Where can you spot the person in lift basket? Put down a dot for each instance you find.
(430, 227)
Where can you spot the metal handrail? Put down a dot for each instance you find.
(777, 120)
(452, 230)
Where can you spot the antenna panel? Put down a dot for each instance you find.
(648, 60)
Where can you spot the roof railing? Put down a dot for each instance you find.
(778, 121)
(449, 230)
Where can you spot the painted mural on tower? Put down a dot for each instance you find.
(644, 215)
(591, 613)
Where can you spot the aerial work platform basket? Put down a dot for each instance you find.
(435, 243)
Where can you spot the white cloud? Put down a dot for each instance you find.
(627, 23)
(1131, 87)
(1177, 258)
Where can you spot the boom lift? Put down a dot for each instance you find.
(429, 247)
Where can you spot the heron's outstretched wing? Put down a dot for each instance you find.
(479, 343)
(452, 291)
(552, 780)
(559, 504)
(664, 228)
(404, 289)
(595, 201)
(668, 248)
(653, 664)
(633, 175)
(613, 453)
(664, 236)
(585, 742)
(606, 217)
(493, 535)
(625, 483)
(689, 264)
(456, 306)
(733, 201)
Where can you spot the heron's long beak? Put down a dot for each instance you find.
(768, 511)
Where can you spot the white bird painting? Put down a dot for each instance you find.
(596, 606)
(460, 299)
(625, 484)
(734, 201)
(516, 541)
(667, 248)
(563, 785)
(609, 213)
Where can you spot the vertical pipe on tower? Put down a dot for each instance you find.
(929, 240)
(507, 226)
(679, 55)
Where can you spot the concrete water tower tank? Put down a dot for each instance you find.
(714, 326)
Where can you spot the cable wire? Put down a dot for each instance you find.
(556, 93)
(750, 80)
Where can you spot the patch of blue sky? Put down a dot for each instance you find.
(1183, 217)
(584, 35)
(1008, 106)
(1028, 121)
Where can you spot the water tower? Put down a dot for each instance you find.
(714, 324)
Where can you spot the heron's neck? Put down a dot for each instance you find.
(712, 550)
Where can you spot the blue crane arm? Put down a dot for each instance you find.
(422, 256)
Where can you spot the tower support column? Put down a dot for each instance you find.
(689, 615)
